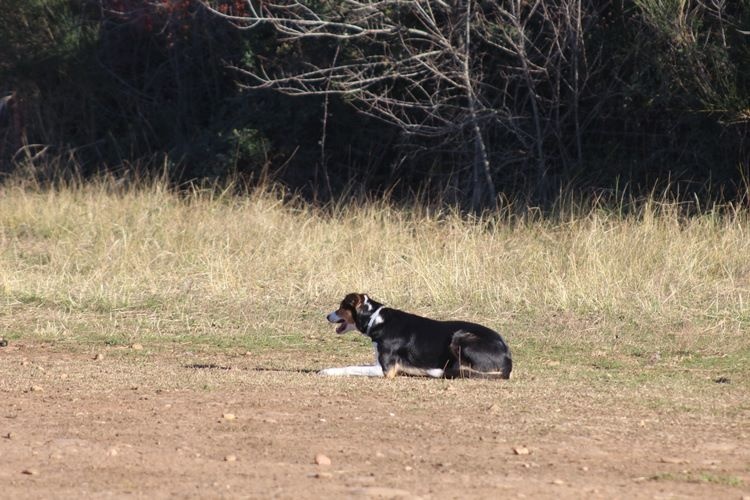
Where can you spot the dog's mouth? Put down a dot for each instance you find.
(342, 326)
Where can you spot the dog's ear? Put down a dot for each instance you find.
(353, 301)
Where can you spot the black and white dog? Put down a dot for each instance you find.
(412, 345)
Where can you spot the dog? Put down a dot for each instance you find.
(413, 345)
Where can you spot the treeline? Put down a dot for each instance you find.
(465, 99)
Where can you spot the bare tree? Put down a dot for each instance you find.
(450, 71)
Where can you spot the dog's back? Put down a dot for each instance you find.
(463, 349)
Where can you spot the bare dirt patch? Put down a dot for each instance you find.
(137, 424)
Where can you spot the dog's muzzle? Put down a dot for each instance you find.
(343, 325)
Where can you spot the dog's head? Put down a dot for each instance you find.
(353, 313)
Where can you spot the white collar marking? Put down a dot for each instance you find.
(375, 319)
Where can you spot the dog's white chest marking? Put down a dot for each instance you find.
(375, 320)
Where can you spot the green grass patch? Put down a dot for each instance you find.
(699, 477)
(737, 361)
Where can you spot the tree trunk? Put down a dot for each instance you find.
(483, 186)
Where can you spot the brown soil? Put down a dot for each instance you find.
(137, 424)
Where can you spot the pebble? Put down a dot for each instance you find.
(323, 475)
(558, 482)
(30, 472)
(228, 416)
(36, 388)
(230, 458)
(321, 459)
(99, 356)
(3, 343)
(137, 347)
(521, 450)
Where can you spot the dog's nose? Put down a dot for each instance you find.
(333, 317)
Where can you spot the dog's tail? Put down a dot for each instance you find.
(471, 373)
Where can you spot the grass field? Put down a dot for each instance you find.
(634, 308)
(98, 265)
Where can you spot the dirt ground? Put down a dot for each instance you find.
(140, 424)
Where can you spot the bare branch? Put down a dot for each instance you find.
(419, 65)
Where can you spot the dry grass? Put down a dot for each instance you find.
(598, 289)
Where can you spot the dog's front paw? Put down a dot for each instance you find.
(330, 372)
(353, 371)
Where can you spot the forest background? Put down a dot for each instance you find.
(459, 101)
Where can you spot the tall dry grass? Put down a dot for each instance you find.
(96, 263)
